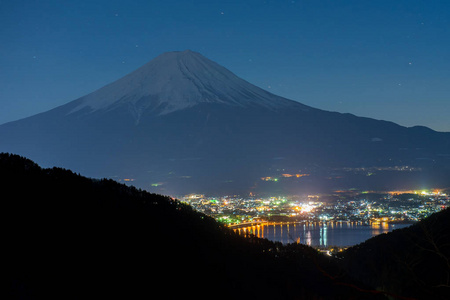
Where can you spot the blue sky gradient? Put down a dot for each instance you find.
(387, 60)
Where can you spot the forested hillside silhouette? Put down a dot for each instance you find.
(413, 262)
(71, 237)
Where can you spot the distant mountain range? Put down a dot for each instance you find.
(182, 124)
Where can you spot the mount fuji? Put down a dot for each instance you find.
(175, 81)
(182, 123)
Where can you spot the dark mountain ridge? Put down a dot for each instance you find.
(71, 237)
(413, 262)
(182, 124)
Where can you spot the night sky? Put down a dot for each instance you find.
(387, 60)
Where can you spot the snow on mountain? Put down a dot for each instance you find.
(178, 80)
(188, 125)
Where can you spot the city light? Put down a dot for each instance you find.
(389, 207)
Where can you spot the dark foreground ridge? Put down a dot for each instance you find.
(71, 237)
(413, 262)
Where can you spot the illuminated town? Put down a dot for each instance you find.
(365, 207)
(310, 219)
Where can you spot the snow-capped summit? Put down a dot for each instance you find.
(177, 80)
(183, 124)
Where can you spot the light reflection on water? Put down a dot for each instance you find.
(320, 234)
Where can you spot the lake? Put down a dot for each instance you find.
(321, 234)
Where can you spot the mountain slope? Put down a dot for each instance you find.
(70, 237)
(411, 262)
(182, 123)
(175, 81)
